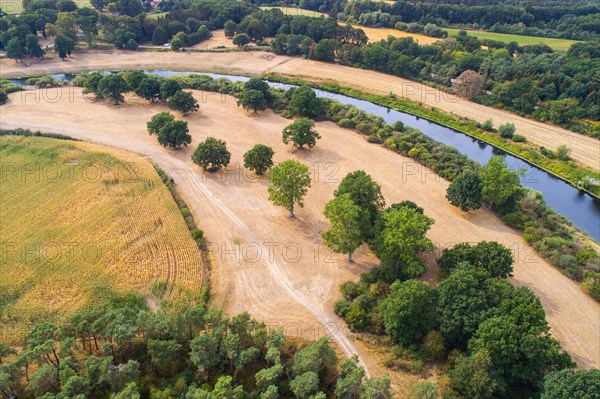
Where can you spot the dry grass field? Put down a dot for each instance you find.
(585, 149)
(279, 270)
(81, 222)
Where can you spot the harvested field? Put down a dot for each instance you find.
(377, 34)
(556, 44)
(279, 270)
(586, 150)
(81, 222)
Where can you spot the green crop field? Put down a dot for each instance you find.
(79, 223)
(556, 44)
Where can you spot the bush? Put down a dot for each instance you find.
(563, 153)
(517, 138)
(341, 308)
(433, 345)
(507, 130)
(591, 282)
(488, 125)
(198, 235)
(132, 44)
(346, 123)
(3, 97)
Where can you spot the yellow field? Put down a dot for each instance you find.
(296, 11)
(80, 222)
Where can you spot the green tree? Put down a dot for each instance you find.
(377, 388)
(562, 112)
(259, 158)
(304, 102)
(350, 380)
(464, 300)
(290, 181)
(347, 223)
(149, 88)
(364, 192)
(317, 357)
(495, 258)
(184, 102)
(230, 27)
(465, 191)
(572, 384)
(241, 39)
(168, 88)
(252, 100)
(113, 87)
(33, 46)
(163, 353)
(3, 97)
(522, 350)
(174, 134)
(473, 376)
(409, 311)
(305, 384)
(402, 237)
(129, 392)
(499, 182)
(159, 120)
(301, 132)
(64, 46)
(15, 49)
(132, 44)
(211, 154)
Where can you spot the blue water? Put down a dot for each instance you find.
(580, 208)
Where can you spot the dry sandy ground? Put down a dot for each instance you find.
(377, 34)
(585, 149)
(218, 39)
(278, 269)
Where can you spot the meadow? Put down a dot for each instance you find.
(555, 44)
(81, 224)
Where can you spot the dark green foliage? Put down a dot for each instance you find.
(252, 100)
(364, 192)
(211, 154)
(149, 88)
(465, 191)
(301, 133)
(174, 134)
(575, 384)
(241, 39)
(304, 102)
(168, 88)
(259, 158)
(409, 311)
(184, 102)
(113, 87)
(491, 256)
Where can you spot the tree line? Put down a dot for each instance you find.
(123, 350)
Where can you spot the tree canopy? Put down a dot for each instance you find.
(290, 181)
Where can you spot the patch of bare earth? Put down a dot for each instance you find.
(585, 150)
(278, 269)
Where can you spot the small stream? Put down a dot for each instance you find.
(579, 207)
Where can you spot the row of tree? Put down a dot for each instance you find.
(123, 350)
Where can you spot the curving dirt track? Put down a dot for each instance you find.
(279, 270)
(585, 150)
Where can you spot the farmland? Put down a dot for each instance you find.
(236, 213)
(556, 44)
(80, 224)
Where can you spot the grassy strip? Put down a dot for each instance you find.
(197, 234)
(29, 133)
(572, 173)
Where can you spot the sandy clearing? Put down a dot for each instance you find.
(277, 269)
(377, 34)
(586, 150)
(218, 39)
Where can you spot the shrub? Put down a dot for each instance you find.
(346, 123)
(507, 130)
(591, 282)
(563, 153)
(341, 308)
(488, 125)
(517, 138)
(3, 97)
(433, 345)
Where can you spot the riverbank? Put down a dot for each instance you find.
(571, 173)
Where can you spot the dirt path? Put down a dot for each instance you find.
(584, 149)
(279, 270)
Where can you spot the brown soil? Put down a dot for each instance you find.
(377, 34)
(278, 269)
(585, 149)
